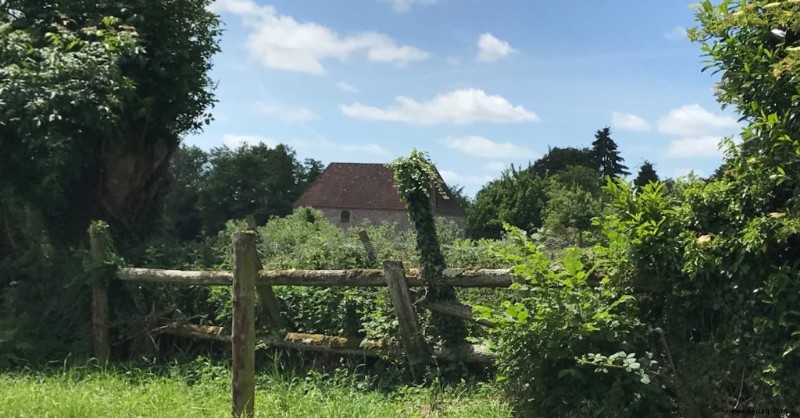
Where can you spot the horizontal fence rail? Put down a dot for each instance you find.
(329, 344)
(250, 282)
(489, 278)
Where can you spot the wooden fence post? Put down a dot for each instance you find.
(98, 247)
(270, 314)
(368, 248)
(417, 351)
(270, 311)
(243, 331)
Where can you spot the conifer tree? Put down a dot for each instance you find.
(646, 174)
(607, 157)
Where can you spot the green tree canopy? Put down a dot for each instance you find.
(559, 159)
(252, 180)
(579, 176)
(646, 175)
(519, 196)
(607, 158)
(516, 198)
(94, 97)
(569, 211)
(188, 172)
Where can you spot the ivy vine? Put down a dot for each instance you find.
(416, 178)
(102, 261)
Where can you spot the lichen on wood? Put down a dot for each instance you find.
(329, 344)
(489, 278)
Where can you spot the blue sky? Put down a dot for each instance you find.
(479, 84)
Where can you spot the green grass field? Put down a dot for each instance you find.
(92, 392)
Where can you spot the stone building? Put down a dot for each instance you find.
(348, 193)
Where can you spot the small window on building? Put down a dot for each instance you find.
(345, 216)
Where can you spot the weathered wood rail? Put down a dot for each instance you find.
(329, 344)
(249, 281)
(490, 278)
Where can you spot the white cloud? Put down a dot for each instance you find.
(458, 107)
(286, 114)
(453, 178)
(348, 88)
(283, 43)
(235, 141)
(245, 8)
(346, 147)
(695, 121)
(492, 49)
(629, 122)
(698, 132)
(482, 147)
(404, 5)
(688, 147)
(494, 166)
(678, 33)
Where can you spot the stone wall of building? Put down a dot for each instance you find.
(356, 216)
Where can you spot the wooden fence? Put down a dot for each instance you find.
(249, 281)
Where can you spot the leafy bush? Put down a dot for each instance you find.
(714, 266)
(307, 240)
(560, 340)
(718, 273)
(56, 281)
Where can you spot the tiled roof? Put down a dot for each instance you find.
(364, 186)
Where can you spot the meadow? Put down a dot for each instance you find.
(204, 391)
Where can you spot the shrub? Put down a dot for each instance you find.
(717, 271)
(568, 345)
(307, 240)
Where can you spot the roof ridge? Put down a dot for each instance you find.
(362, 186)
(345, 163)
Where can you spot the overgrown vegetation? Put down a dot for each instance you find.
(94, 99)
(307, 240)
(558, 193)
(416, 179)
(547, 337)
(687, 304)
(669, 301)
(202, 389)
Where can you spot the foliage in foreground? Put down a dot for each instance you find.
(203, 390)
(694, 310)
(547, 339)
(94, 98)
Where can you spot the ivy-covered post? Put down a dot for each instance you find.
(416, 178)
(100, 250)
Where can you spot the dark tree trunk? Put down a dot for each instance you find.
(133, 182)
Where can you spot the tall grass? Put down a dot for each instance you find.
(82, 392)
